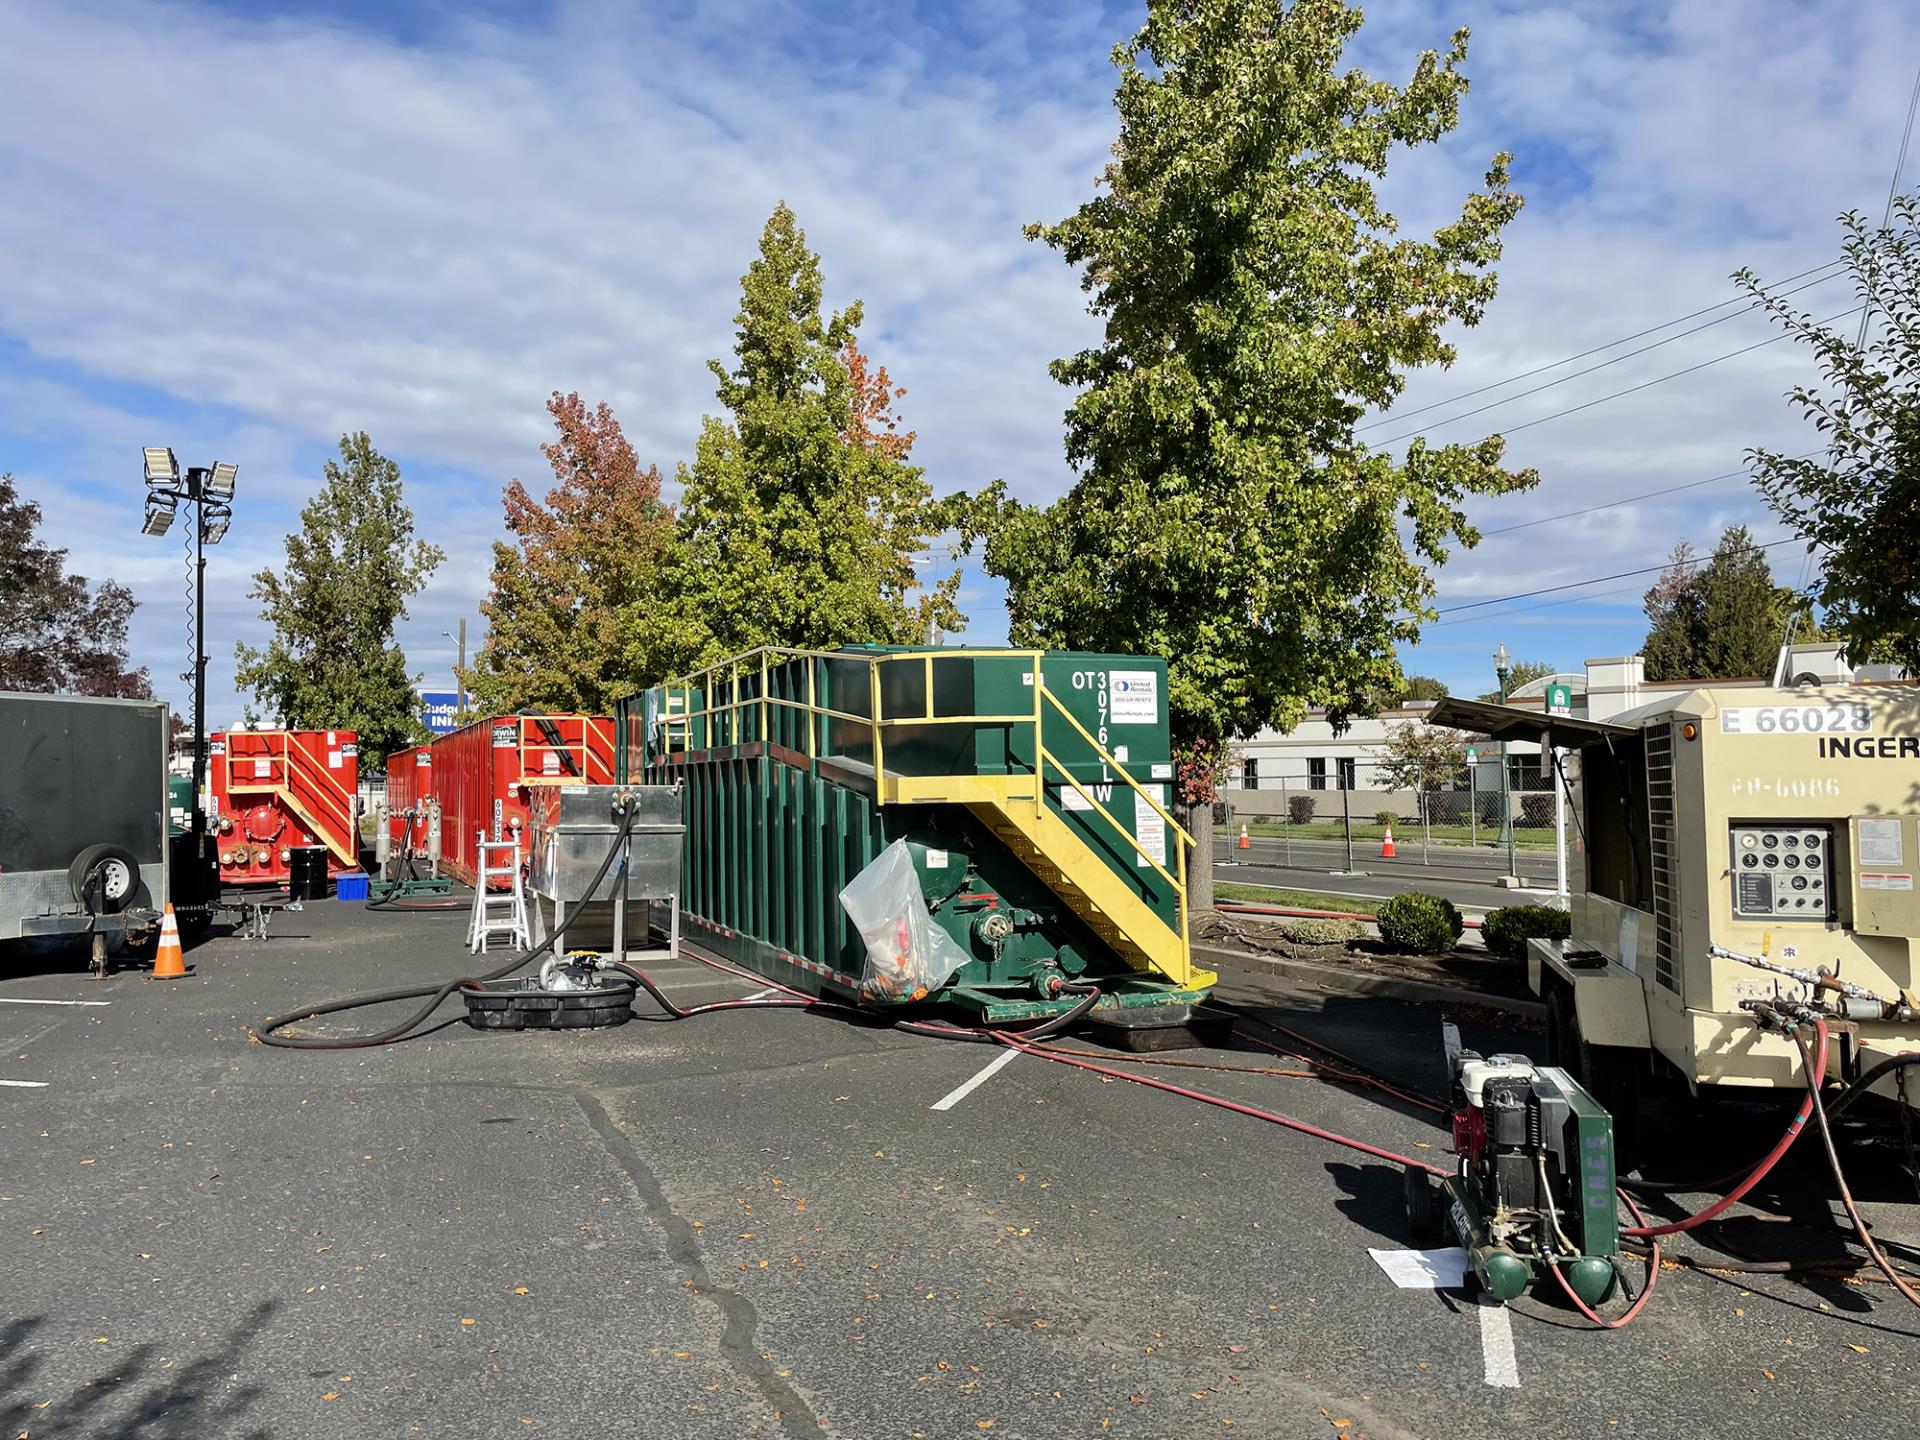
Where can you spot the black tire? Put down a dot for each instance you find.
(1423, 1218)
(116, 877)
(1612, 1074)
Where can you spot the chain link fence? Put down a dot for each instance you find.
(1317, 811)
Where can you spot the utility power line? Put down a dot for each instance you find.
(1394, 418)
(1630, 499)
(1631, 389)
(1601, 579)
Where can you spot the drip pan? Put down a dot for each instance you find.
(522, 1005)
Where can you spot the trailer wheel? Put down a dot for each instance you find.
(115, 875)
(1609, 1072)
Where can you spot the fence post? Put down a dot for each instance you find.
(1473, 801)
(1559, 828)
(1346, 812)
(1286, 821)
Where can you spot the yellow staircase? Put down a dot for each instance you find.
(1073, 870)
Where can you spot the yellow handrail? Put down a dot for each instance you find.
(1047, 756)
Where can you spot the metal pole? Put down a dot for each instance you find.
(194, 479)
(1346, 811)
(460, 672)
(1426, 816)
(1473, 801)
(1559, 828)
(1506, 788)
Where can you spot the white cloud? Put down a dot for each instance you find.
(313, 228)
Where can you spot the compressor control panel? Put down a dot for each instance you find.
(1782, 871)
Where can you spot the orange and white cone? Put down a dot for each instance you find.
(169, 963)
(1245, 844)
(1387, 852)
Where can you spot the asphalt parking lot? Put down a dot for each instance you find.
(761, 1225)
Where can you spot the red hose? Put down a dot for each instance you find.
(1255, 907)
(1298, 1125)
(1767, 1162)
(1646, 1291)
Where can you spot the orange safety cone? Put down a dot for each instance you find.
(1387, 852)
(168, 961)
(1245, 844)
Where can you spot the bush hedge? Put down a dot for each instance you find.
(1419, 923)
(1536, 810)
(1321, 932)
(1300, 809)
(1508, 929)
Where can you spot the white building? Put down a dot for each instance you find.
(1273, 766)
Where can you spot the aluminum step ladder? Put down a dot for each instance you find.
(502, 914)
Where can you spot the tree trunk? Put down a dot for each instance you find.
(1199, 822)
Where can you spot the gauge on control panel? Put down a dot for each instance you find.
(1779, 871)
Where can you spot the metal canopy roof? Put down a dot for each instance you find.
(1507, 722)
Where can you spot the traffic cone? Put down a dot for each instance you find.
(1245, 844)
(168, 961)
(1387, 852)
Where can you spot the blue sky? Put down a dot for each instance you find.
(242, 229)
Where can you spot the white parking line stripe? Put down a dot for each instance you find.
(987, 1072)
(25, 1084)
(4, 1000)
(1496, 1344)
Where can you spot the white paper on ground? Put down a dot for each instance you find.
(1424, 1269)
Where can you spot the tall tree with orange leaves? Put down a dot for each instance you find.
(580, 614)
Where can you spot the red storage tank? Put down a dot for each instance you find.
(409, 787)
(271, 791)
(484, 774)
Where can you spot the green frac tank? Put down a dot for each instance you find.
(1031, 789)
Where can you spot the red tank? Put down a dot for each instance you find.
(485, 774)
(409, 787)
(271, 791)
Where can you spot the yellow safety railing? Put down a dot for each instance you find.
(581, 751)
(724, 725)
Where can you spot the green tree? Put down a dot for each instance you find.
(581, 613)
(1422, 758)
(1724, 619)
(1422, 687)
(801, 519)
(1523, 672)
(351, 568)
(1258, 302)
(56, 634)
(1859, 502)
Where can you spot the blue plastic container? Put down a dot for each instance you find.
(350, 885)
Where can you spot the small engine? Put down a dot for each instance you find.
(1534, 1185)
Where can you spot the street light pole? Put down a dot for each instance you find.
(460, 668)
(1503, 671)
(208, 491)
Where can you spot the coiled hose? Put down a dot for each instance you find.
(267, 1034)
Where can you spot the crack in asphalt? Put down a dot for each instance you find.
(741, 1319)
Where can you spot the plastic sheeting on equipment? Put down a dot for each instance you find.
(908, 956)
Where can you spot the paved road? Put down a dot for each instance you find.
(757, 1225)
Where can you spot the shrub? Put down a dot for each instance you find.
(1447, 808)
(1509, 928)
(1321, 932)
(1300, 809)
(1419, 924)
(1536, 810)
(1384, 818)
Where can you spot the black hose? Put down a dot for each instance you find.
(266, 1036)
(1852, 1093)
(1867, 1242)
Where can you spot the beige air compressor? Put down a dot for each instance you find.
(1734, 845)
